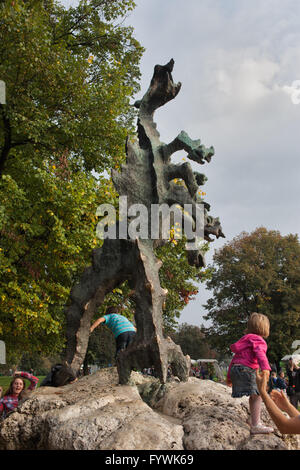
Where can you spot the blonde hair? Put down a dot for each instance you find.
(258, 324)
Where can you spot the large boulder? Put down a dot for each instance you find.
(96, 413)
(93, 413)
(213, 420)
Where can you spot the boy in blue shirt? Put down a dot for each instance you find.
(123, 330)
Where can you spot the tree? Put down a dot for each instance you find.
(256, 272)
(179, 278)
(69, 76)
(192, 341)
(102, 347)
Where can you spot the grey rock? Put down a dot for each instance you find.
(213, 420)
(96, 413)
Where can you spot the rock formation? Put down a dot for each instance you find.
(147, 178)
(96, 413)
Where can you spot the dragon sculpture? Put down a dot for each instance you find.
(147, 178)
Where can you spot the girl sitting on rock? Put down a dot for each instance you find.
(249, 356)
(15, 392)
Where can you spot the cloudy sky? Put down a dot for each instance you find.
(238, 62)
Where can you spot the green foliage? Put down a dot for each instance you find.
(192, 341)
(179, 278)
(256, 272)
(102, 347)
(69, 75)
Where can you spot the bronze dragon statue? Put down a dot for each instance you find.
(147, 178)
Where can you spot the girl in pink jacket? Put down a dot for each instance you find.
(249, 356)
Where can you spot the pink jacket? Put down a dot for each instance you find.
(250, 351)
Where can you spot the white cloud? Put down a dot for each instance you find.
(247, 81)
(293, 91)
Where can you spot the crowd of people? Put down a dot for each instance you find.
(202, 372)
(150, 371)
(288, 381)
(279, 382)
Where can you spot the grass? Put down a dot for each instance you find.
(5, 381)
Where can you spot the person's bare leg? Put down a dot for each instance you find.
(255, 402)
(256, 426)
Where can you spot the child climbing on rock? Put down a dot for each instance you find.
(249, 356)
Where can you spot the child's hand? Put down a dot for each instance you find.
(262, 381)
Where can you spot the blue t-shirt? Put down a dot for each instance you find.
(118, 324)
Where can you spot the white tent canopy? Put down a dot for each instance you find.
(295, 357)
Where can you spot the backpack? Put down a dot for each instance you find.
(59, 375)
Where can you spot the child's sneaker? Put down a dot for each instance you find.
(261, 429)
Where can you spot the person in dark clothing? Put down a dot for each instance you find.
(293, 389)
(272, 381)
(280, 382)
